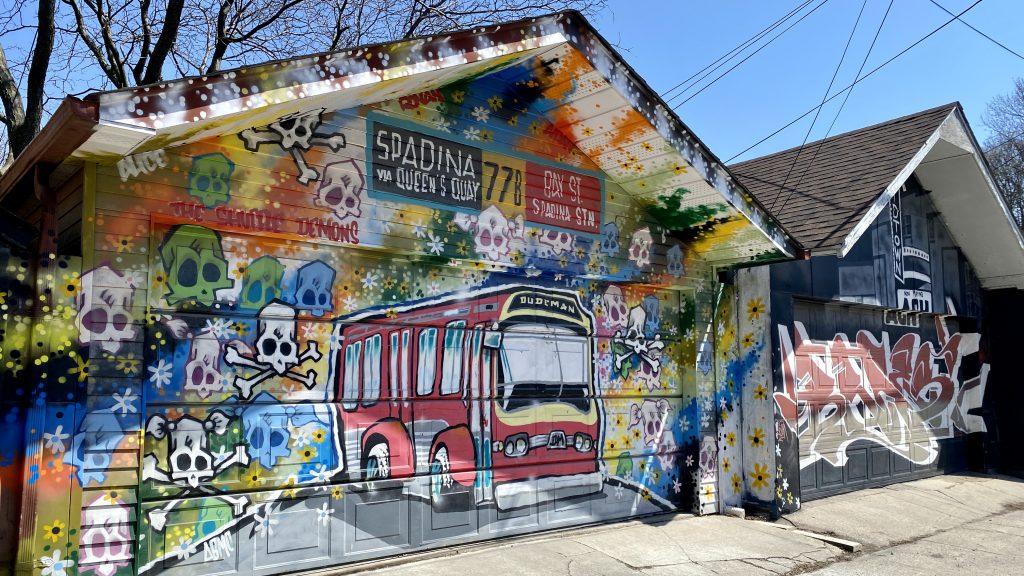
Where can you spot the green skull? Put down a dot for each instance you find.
(261, 283)
(195, 265)
(209, 180)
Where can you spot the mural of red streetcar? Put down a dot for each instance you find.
(490, 393)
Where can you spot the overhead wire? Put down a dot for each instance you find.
(842, 105)
(990, 39)
(728, 55)
(831, 82)
(749, 56)
(863, 78)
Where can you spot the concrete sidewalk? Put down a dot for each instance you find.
(910, 514)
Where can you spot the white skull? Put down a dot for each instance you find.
(637, 319)
(106, 541)
(188, 453)
(492, 234)
(675, 261)
(276, 347)
(615, 310)
(640, 248)
(297, 129)
(202, 372)
(465, 222)
(557, 242)
(667, 451)
(341, 189)
(104, 309)
(652, 417)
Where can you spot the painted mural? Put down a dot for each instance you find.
(747, 471)
(352, 333)
(896, 389)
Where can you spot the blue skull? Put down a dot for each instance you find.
(674, 264)
(652, 306)
(93, 446)
(610, 239)
(266, 433)
(314, 288)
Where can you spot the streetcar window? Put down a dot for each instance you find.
(451, 363)
(427, 362)
(393, 376)
(351, 389)
(371, 371)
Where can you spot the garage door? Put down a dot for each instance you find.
(877, 398)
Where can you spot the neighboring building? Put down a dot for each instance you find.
(873, 345)
(339, 307)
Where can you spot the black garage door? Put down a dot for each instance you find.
(877, 395)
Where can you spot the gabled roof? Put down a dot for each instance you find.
(828, 193)
(835, 181)
(599, 104)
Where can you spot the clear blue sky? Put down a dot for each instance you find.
(667, 41)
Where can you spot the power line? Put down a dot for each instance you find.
(842, 105)
(816, 114)
(863, 78)
(749, 56)
(728, 55)
(990, 39)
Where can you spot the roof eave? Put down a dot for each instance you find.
(70, 126)
(883, 199)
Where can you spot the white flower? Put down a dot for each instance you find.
(471, 133)
(321, 475)
(221, 455)
(618, 491)
(324, 514)
(55, 441)
(785, 483)
(302, 437)
(309, 331)
(349, 303)
(418, 230)
(689, 461)
(160, 373)
(676, 486)
(434, 288)
(481, 114)
(125, 402)
(54, 566)
(184, 548)
(265, 524)
(778, 450)
(684, 423)
(369, 281)
(219, 327)
(444, 125)
(435, 244)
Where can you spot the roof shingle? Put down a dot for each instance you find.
(833, 182)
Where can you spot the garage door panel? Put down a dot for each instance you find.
(863, 416)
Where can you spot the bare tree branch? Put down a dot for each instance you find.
(147, 35)
(165, 42)
(86, 45)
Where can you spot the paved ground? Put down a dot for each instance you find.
(952, 525)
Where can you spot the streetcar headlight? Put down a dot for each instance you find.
(583, 442)
(517, 445)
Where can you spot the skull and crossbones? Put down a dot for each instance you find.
(295, 133)
(634, 343)
(190, 463)
(276, 351)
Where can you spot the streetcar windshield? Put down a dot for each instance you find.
(543, 364)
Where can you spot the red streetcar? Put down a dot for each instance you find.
(489, 392)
